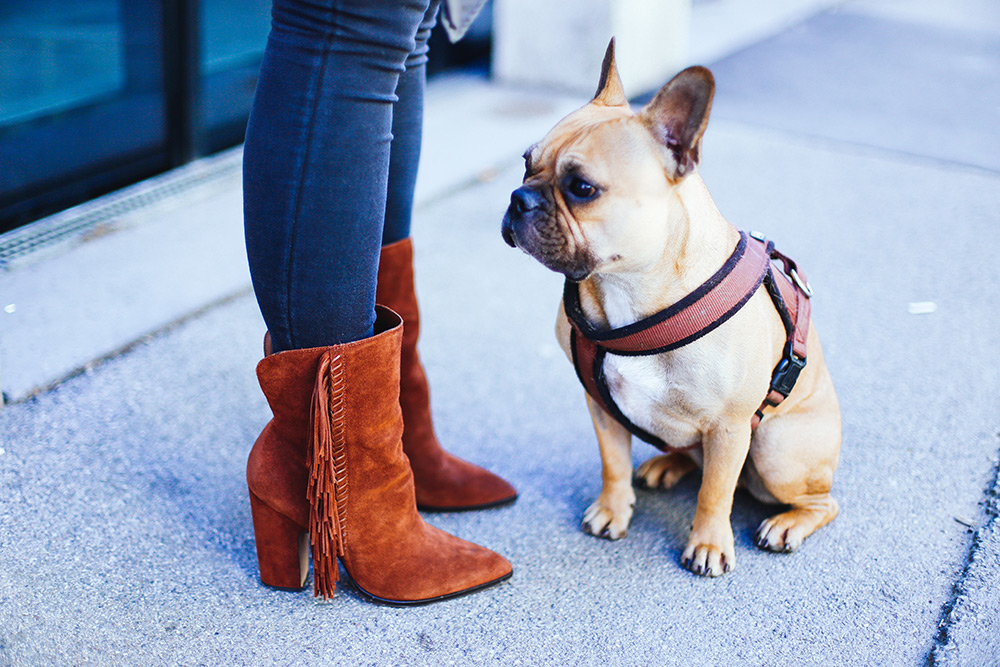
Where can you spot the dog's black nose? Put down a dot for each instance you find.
(525, 199)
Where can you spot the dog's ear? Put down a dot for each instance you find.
(678, 114)
(610, 92)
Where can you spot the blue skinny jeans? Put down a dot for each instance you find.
(330, 161)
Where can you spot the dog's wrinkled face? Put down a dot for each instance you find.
(590, 188)
(597, 191)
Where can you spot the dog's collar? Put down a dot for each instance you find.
(702, 311)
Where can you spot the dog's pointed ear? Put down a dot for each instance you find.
(610, 92)
(678, 114)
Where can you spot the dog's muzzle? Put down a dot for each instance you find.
(530, 226)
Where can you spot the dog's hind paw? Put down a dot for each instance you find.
(663, 471)
(786, 531)
(600, 521)
(779, 533)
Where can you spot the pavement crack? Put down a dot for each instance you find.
(991, 514)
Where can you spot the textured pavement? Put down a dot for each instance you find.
(862, 140)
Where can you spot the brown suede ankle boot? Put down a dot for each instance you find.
(444, 482)
(330, 464)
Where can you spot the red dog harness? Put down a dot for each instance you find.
(700, 312)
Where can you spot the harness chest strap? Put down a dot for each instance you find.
(700, 312)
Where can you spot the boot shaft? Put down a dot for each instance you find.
(396, 288)
(288, 379)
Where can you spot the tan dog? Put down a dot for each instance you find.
(613, 200)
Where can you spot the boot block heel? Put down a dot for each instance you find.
(282, 547)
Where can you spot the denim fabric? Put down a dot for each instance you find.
(330, 160)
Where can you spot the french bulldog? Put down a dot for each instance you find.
(612, 199)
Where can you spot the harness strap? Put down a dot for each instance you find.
(702, 311)
(706, 308)
(791, 295)
(588, 358)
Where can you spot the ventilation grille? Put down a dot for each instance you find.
(73, 225)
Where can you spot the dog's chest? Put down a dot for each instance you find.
(655, 395)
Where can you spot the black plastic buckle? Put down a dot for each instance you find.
(787, 372)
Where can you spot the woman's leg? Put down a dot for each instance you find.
(315, 181)
(316, 164)
(407, 133)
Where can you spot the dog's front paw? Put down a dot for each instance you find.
(710, 555)
(609, 516)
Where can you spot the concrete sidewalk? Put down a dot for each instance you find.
(863, 139)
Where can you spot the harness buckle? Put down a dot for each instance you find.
(803, 284)
(787, 372)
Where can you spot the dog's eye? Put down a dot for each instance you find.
(581, 189)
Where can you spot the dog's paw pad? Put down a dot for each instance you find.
(600, 521)
(663, 472)
(708, 560)
(780, 533)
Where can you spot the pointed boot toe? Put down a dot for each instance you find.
(450, 484)
(435, 566)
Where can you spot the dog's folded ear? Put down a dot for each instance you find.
(610, 91)
(678, 114)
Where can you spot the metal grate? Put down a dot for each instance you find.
(74, 224)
